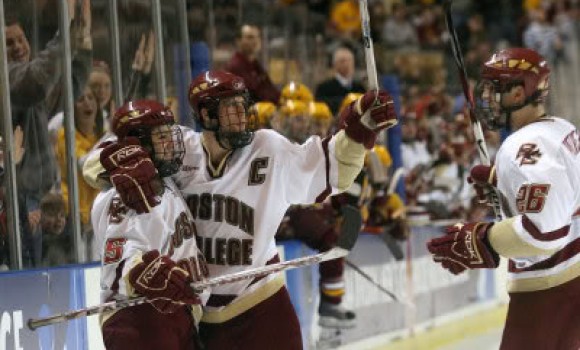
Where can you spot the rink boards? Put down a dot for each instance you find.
(429, 292)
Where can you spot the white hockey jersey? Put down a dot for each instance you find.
(238, 211)
(538, 170)
(122, 236)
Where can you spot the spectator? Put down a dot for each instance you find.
(100, 83)
(245, 64)
(31, 80)
(333, 90)
(414, 150)
(56, 247)
(141, 68)
(398, 31)
(88, 130)
(4, 243)
(542, 36)
(429, 27)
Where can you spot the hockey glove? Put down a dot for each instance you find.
(376, 106)
(484, 180)
(162, 282)
(133, 174)
(464, 247)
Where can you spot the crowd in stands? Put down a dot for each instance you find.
(315, 43)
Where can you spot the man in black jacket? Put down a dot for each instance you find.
(333, 90)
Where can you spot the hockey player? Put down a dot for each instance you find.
(238, 183)
(294, 91)
(154, 254)
(265, 113)
(295, 121)
(538, 171)
(321, 118)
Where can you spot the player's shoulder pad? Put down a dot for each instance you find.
(537, 143)
(269, 138)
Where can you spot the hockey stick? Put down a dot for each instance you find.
(366, 119)
(391, 243)
(348, 236)
(477, 131)
(371, 280)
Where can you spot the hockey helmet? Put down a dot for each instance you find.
(348, 99)
(320, 111)
(321, 118)
(144, 119)
(295, 120)
(264, 111)
(503, 71)
(296, 91)
(234, 128)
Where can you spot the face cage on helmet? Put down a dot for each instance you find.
(167, 154)
(487, 97)
(231, 139)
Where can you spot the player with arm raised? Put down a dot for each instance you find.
(153, 254)
(537, 172)
(238, 184)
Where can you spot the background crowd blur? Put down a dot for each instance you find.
(300, 60)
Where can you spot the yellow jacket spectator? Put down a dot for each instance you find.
(87, 133)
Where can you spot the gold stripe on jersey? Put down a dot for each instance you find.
(245, 303)
(218, 171)
(350, 157)
(507, 242)
(544, 282)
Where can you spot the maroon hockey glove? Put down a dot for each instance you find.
(166, 285)
(484, 180)
(465, 246)
(378, 106)
(133, 174)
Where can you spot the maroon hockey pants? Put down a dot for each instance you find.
(272, 324)
(142, 327)
(544, 320)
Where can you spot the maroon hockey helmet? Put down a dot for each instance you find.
(205, 93)
(504, 70)
(139, 119)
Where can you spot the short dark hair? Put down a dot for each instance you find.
(52, 203)
(11, 20)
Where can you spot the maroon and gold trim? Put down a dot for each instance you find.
(533, 230)
(322, 196)
(569, 251)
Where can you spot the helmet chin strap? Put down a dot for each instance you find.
(506, 112)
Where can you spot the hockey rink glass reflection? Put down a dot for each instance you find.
(488, 104)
